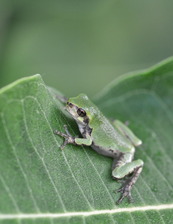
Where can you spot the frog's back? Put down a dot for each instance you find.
(107, 136)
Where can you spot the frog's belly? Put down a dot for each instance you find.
(106, 152)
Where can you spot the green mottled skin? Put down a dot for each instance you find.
(115, 140)
(103, 132)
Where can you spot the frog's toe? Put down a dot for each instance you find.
(120, 200)
(56, 132)
(123, 195)
(125, 192)
(64, 144)
(131, 200)
(118, 190)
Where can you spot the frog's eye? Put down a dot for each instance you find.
(69, 104)
(81, 112)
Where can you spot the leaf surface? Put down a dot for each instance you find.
(41, 183)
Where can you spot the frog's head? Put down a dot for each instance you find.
(78, 107)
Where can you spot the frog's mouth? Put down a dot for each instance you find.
(72, 109)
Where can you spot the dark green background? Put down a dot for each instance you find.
(81, 45)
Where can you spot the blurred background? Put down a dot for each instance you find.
(82, 45)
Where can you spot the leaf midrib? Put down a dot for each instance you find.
(89, 213)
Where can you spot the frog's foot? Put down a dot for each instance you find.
(125, 192)
(122, 172)
(68, 138)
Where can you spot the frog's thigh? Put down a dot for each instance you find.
(83, 141)
(127, 168)
(127, 132)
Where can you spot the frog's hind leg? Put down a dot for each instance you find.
(122, 169)
(127, 132)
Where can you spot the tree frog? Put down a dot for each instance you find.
(114, 140)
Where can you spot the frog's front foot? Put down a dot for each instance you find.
(68, 138)
(125, 191)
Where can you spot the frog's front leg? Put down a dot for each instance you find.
(127, 132)
(122, 169)
(69, 139)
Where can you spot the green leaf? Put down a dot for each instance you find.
(39, 183)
